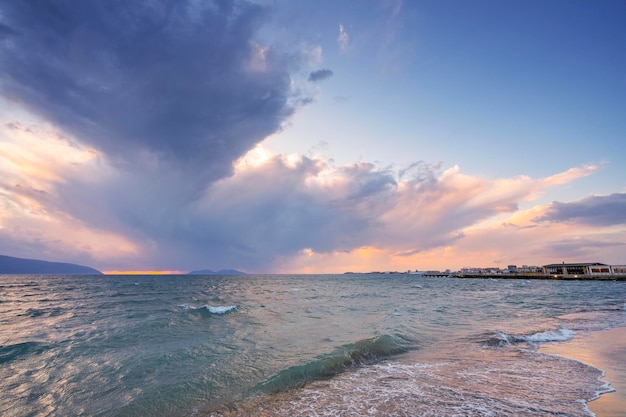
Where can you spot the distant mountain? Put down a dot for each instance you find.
(11, 265)
(220, 272)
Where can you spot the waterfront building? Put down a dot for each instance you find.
(618, 269)
(596, 269)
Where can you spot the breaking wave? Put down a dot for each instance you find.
(500, 339)
(363, 352)
(208, 309)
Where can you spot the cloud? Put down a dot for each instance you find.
(569, 175)
(277, 208)
(137, 154)
(178, 84)
(343, 40)
(65, 200)
(582, 248)
(595, 211)
(320, 75)
(36, 218)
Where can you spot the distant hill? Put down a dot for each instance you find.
(11, 265)
(220, 272)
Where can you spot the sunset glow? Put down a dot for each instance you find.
(395, 136)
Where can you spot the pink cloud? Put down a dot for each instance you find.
(276, 213)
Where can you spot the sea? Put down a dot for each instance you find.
(302, 345)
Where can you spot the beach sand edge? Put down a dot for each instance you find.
(605, 350)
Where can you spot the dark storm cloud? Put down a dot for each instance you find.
(595, 211)
(320, 75)
(273, 211)
(179, 81)
(269, 212)
(277, 209)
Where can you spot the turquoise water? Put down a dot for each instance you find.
(331, 345)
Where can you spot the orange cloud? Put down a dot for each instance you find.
(568, 176)
(34, 161)
(477, 222)
(276, 213)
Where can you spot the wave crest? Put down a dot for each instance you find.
(209, 309)
(363, 352)
(12, 352)
(500, 339)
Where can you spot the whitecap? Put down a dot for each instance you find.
(209, 308)
(220, 309)
(559, 335)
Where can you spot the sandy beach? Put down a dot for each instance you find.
(605, 350)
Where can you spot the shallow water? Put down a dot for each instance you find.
(605, 350)
(297, 345)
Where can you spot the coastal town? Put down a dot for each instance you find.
(566, 271)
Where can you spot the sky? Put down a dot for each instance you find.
(277, 136)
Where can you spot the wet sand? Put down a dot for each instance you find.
(605, 350)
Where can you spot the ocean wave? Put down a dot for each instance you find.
(209, 309)
(12, 352)
(500, 339)
(491, 385)
(38, 312)
(363, 352)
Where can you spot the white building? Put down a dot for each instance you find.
(593, 269)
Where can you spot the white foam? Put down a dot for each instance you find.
(210, 309)
(526, 385)
(559, 335)
(219, 309)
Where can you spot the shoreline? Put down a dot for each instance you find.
(548, 277)
(605, 350)
(495, 276)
